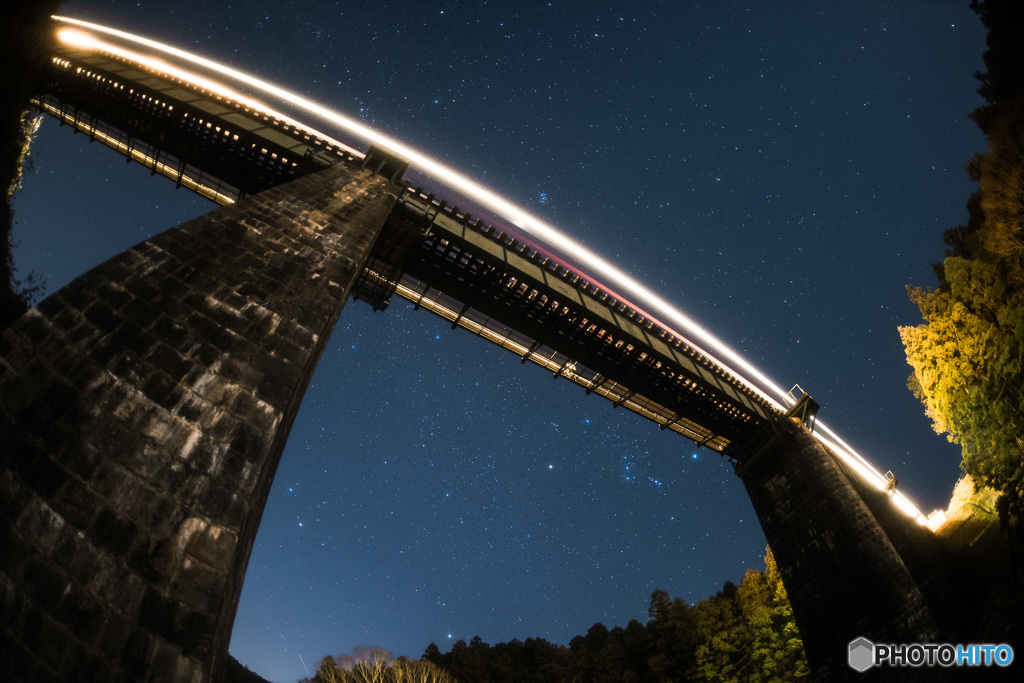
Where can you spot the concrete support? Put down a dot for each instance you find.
(143, 411)
(844, 577)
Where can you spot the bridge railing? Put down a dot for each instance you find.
(156, 160)
(612, 327)
(625, 313)
(218, 147)
(422, 295)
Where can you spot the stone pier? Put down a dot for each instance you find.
(143, 411)
(844, 576)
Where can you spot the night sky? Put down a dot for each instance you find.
(780, 171)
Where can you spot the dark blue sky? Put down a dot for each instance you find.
(779, 172)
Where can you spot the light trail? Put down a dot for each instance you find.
(517, 216)
(86, 41)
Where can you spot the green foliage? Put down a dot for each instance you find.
(968, 355)
(751, 636)
(744, 633)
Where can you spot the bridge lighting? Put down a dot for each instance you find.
(545, 233)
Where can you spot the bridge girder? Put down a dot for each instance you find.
(225, 150)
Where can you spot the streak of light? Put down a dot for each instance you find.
(530, 224)
(86, 41)
(517, 216)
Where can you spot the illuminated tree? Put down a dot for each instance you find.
(968, 368)
(749, 633)
(374, 665)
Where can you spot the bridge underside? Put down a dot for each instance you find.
(144, 407)
(534, 305)
(471, 273)
(212, 145)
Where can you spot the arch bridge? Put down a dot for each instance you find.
(144, 407)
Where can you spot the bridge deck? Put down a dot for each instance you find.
(218, 147)
(492, 283)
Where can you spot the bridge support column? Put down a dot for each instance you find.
(143, 411)
(844, 577)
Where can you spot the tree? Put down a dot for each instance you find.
(375, 665)
(672, 639)
(744, 633)
(748, 632)
(968, 370)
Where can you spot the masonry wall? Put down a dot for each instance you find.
(923, 554)
(143, 411)
(844, 577)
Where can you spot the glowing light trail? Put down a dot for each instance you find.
(518, 217)
(86, 41)
(544, 232)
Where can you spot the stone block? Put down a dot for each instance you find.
(142, 290)
(48, 582)
(224, 503)
(10, 601)
(158, 614)
(33, 416)
(208, 384)
(169, 665)
(45, 476)
(170, 361)
(18, 663)
(237, 371)
(154, 559)
(173, 622)
(287, 348)
(104, 351)
(163, 391)
(198, 586)
(81, 612)
(135, 657)
(77, 557)
(192, 408)
(260, 415)
(81, 663)
(129, 367)
(77, 505)
(170, 332)
(112, 637)
(49, 638)
(14, 496)
(214, 546)
(112, 533)
(237, 471)
(39, 522)
(17, 551)
(114, 294)
(247, 439)
(101, 315)
(139, 455)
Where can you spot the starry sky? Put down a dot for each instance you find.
(780, 171)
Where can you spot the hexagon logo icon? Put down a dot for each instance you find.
(862, 654)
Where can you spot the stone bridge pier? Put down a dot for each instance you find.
(851, 563)
(143, 411)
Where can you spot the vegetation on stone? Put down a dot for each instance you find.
(25, 36)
